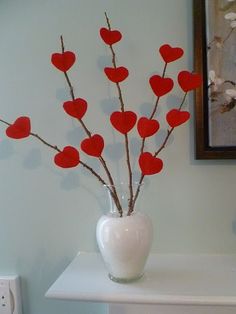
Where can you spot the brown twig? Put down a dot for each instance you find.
(155, 155)
(230, 82)
(158, 98)
(154, 110)
(44, 142)
(219, 39)
(142, 175)
(116, 197)
(81, 162)
(115, 66)
(85, 128)
(143, 144)
(129, 171)
(89, 134)
(72, 90)
(228, 35)
(5, 122)
(122, 107)
(55, 147)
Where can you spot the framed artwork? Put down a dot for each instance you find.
(215, 58)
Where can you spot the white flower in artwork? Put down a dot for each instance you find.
(231, 93)
(230, 16)
(230, 97)
(219, 45)
(233, 24)
(231, 0)
(214, 80)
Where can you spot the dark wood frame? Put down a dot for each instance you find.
(202, 148)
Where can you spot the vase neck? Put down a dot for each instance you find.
(119, 199)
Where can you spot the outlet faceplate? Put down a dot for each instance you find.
(10, 298)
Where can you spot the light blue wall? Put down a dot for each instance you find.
(47, 214)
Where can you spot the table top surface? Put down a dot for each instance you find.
(168, 279)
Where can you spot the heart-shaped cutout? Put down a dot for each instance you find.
(149, 164)
(189, 81)
(67, 158)
(110, 37)
(161, 85)
(63, 61)
(176, 117)
(20, 128)
(147, 127)
(170, 54)
(123, 121)
(116, 75)
(76, 108)
(93, 146)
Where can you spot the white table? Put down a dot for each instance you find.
(175, 284)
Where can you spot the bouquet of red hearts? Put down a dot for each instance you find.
(123, 120)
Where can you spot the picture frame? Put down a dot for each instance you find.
(213, 116)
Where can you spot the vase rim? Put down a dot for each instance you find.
(116, 216)
(122, 183)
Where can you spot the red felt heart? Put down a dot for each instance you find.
(161, 85)
(68, 158)
(116, 75)
(19, 129)
(149, 164)
(170, 54)
(110, 37)
(93, 146)
(176, 117)
(189, 81)
(147, 127)
(123, 121)
(63, 61)
(76, 108)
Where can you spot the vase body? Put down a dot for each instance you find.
(124, 243)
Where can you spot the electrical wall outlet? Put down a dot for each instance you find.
(6, 306)
(10, 298)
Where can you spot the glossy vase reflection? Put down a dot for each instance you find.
(124, 243)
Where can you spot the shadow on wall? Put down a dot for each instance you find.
(6, 149)
(33, 160)
(234, 226)
(68, 179)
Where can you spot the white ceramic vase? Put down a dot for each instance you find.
(124, 243)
